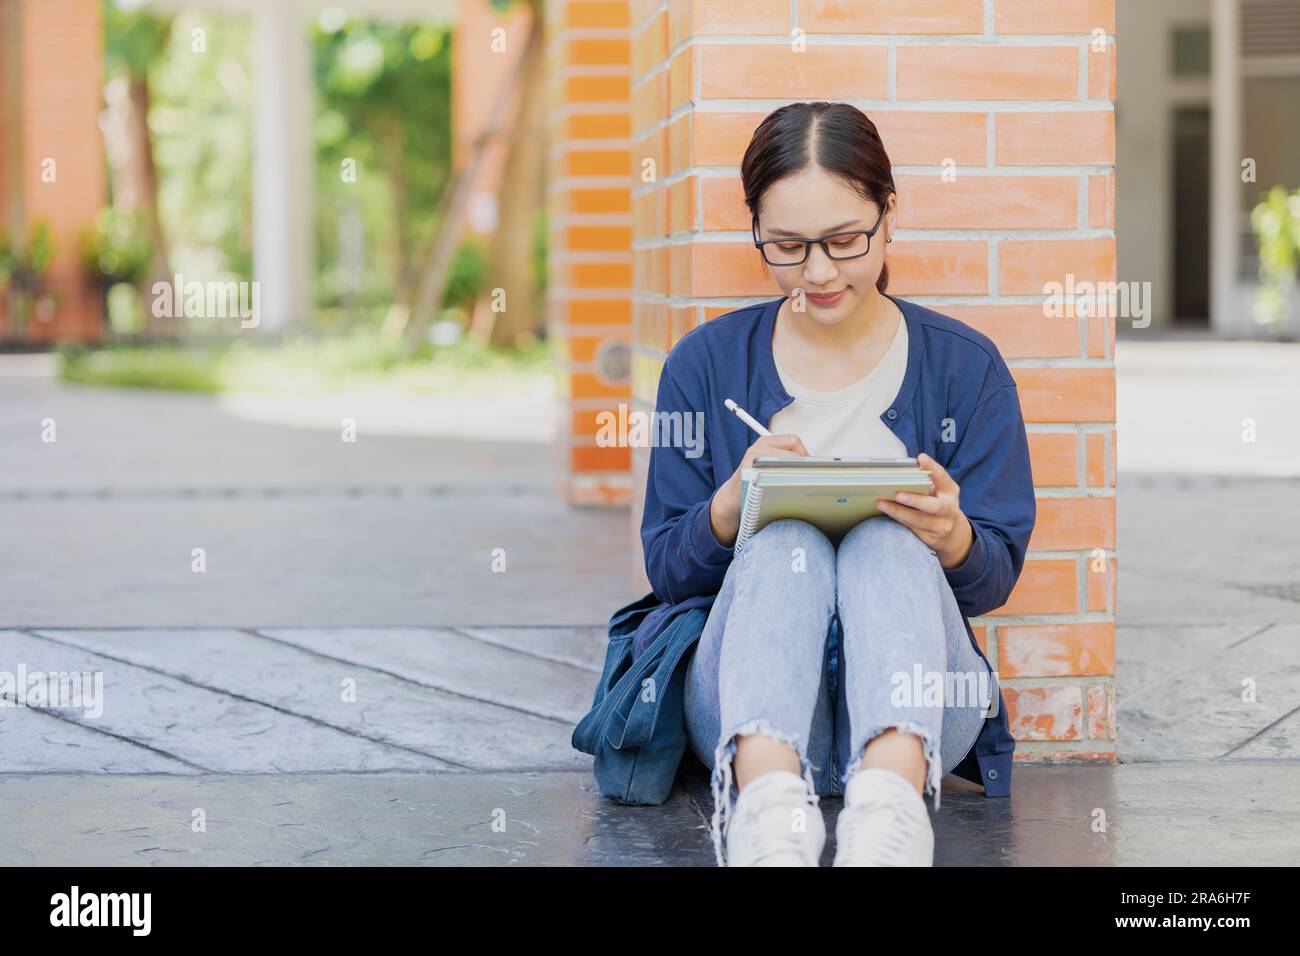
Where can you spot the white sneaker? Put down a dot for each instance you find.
(776, 822)
(883, 823)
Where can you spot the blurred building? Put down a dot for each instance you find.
(52, 164)
(1205, 86)
(51, 157)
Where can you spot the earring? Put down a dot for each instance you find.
(888, 240)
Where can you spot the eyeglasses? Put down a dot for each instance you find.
(793, 251)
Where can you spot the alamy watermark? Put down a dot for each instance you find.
(945, 689)
(1126, 300)
(624, 428)
(75, 908)
(55, 690)
(208, 300)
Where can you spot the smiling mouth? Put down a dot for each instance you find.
(824, 295)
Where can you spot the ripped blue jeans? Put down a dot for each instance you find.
(763, 663)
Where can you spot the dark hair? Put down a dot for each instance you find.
(835, 136)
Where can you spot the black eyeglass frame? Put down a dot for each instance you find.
(759, 244)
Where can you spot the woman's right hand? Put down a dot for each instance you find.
(724, 509)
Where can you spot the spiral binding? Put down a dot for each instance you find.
(749, 514)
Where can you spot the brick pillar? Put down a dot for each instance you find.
(51, 151)
(590, 296)
(1011, 101)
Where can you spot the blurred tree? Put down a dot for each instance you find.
(383, 138)
(512, 257)
(116, 255)
(1276, 221)
(522, 195)
(134, 41)
(202, 129)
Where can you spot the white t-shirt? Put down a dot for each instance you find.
(847, 420)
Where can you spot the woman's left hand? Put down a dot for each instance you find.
(936, 519)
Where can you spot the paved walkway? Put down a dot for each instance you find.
(351, 681)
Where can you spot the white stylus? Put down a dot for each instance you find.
(745, 417)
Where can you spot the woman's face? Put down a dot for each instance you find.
(812, 203)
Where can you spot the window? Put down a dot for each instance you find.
(1191, 50)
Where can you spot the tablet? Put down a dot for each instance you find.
(810, 461)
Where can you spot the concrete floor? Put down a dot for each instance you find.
(1170, 814)
(351, 682)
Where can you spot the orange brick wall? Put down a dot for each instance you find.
(51, 65)
(590, 281)
(1013, 94)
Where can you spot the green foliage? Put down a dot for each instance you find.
(540, 231)
(304, 363)
(40, 248)
(383, 145)
(126, 309)
(23, 265)
(134, 38)
(202, 125)
(383, 103)
(468, 275)
(1276, 222)
(116, 248)
(22, 275)
(8, 261)
(165, 367)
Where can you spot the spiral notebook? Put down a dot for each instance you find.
(834, 494)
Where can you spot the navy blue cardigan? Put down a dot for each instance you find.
(956, 386)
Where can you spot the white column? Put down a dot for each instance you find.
(282, 164)
(1225, 167)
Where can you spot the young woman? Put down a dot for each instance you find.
(817, 666)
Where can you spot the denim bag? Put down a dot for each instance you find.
(636, 728)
